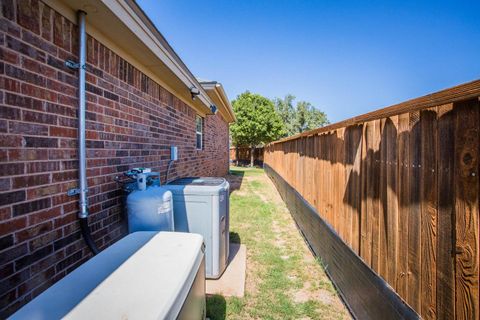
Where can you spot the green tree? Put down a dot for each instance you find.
(307, 117)
(286, 111)
(257, 122)
(300, 118)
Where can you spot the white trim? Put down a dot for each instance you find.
(217, 93)
(228, 106)
(199, 132)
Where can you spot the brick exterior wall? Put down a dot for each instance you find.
(131, 122)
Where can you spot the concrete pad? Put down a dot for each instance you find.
(232, 281)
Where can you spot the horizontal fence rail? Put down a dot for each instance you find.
(400, 186)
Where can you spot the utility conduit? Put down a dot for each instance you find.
(83, 187)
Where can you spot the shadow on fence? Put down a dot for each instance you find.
(402, 191)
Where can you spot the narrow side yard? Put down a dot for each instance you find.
(284, 280)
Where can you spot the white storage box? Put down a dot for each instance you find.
(146, 275)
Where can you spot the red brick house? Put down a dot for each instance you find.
(139, 102)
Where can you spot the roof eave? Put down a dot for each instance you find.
(219, 93)
(122, 26)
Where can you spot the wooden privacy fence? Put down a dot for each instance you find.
(244, 154)
(400, 186)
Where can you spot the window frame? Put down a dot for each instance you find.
(199, 132)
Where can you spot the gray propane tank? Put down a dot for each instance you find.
(150, 210)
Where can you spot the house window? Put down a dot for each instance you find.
(199, 132)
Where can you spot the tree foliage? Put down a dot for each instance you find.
(286, 111)
(257, 122)
(302, 117)
(307, 117)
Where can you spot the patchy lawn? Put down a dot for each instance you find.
(284, 280)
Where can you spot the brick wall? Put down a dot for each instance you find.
(131, 121)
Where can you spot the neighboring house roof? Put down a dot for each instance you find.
(122, 26)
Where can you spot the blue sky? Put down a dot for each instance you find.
(345, 57)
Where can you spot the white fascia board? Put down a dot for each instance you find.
(217, 89)
(222, 92)
(222, 96)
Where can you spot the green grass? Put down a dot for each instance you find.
(278, 264)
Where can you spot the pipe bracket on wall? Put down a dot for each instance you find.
(74, 65)
(73, 192)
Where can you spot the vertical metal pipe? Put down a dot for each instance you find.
(82, 154)
(83, 213)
